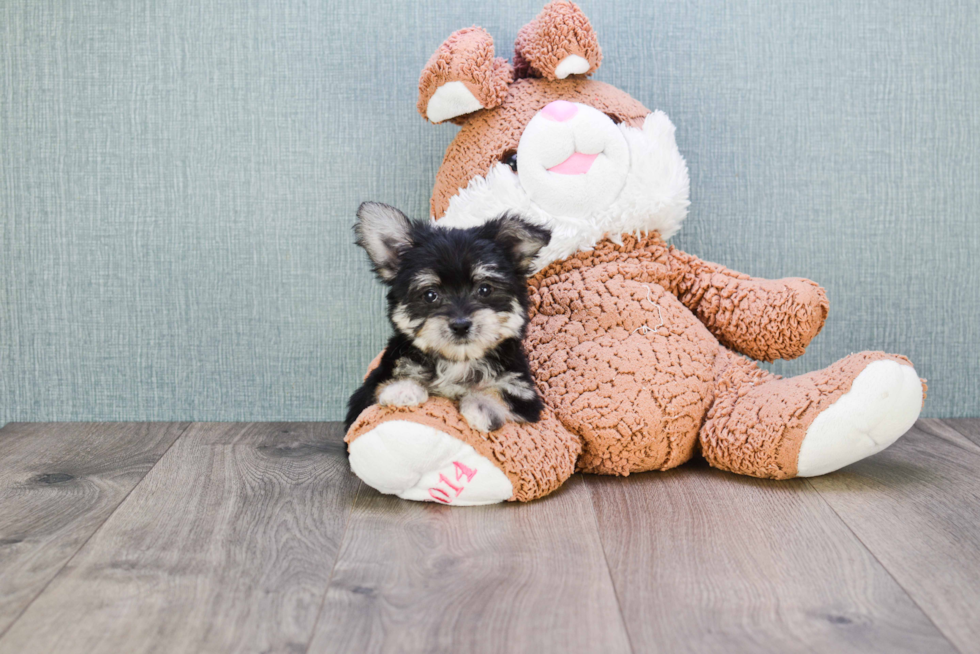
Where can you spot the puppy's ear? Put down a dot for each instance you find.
(523, 239)
(385, 233)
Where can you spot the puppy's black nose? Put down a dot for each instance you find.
(460, 326)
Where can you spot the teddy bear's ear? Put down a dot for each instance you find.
(463, 76)
(558, 43)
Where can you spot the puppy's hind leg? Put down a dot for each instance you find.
(403, 392)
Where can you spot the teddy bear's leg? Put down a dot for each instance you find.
(428, 453)
(764, 426)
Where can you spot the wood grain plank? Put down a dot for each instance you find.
(58, 483)
(227, 545)
(969, 427)
(707, 561)
(916, 506)
(953, 431)
(503, 578)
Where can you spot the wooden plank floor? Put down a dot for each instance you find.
(58, 484)
(257, 538)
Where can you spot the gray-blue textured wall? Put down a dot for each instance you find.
(178, 178)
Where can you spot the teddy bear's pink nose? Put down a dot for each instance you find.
(559, 111)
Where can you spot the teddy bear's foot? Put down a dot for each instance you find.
(429, 453)
(421, 463)
(764, 426)
(883, 403)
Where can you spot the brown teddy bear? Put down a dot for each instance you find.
(641, 352)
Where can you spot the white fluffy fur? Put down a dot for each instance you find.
(404, 392)
(483, 412)
(655, 196)
(546, 143)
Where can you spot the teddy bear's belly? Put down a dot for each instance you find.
(625, 366)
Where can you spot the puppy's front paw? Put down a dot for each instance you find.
(483, 412)
(404, 392)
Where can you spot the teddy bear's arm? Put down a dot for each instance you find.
(761, 318)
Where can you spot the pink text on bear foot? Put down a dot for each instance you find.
(439, 494)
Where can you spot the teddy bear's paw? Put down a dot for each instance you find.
(421, 463)
(883, 403)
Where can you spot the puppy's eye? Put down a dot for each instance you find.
(510, 159)
(430, 296)
(484, 290)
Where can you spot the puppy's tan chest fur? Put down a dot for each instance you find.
(454, 379)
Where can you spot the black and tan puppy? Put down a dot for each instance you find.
(457, 299)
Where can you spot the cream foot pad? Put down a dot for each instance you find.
(420, 463)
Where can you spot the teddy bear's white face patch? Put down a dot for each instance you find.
(572, 159)
(653, 194)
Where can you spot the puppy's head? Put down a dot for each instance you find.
(455, 292)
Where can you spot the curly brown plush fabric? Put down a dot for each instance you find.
(764, 319)
(487, 136)
(560, 30)
(467, 57)
(536, 458)
(625, 338)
